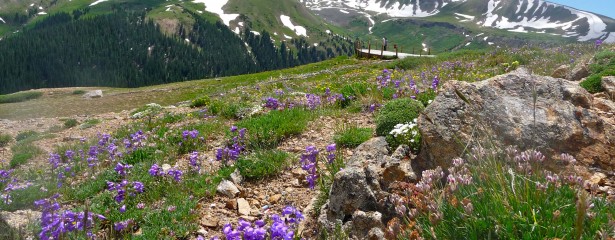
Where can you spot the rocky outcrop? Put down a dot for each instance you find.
(358, 200)
(608, 84)
(551, 115)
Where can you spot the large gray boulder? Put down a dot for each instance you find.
(551, 115)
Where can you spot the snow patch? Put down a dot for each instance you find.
(469, 17)
(299, 30)
(288, 37)
(468, 44)
(255, 33)
(42, 13)
(215, 6)
(343, 11)
(2, 20)
(94, 3)
(328, 31)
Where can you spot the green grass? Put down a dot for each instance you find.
(352, 136)
(267, 131)
(20, 97)
(262, 164)
(90, 123)
(24, 149)
(509, 205)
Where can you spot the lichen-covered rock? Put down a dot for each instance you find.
(561, 71)
(578, 72)
(608, 83)
(551, 115)
(358, 199)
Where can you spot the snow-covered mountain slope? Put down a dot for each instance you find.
(536, 16)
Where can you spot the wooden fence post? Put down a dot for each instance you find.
(395, 46)
(429, 51)
(369, 48)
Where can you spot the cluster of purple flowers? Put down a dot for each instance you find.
(458, 174)
(232, 153)
(312, 101)
(8, 183)
(125, 187)
(272, 103)
(193, 159)
(282, 227)
(309, 162)
(56, 223)
(156, 171)
(599, 43)
(193, 134)
(135, 141)
(331, 148)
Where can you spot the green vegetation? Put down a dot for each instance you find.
(352, 136)
(20, 97)
(24, 149)
(99, 45)
(509, 199)
(262, 164)
(267, 131)
(89, 123)
(395, 112)
(604, 65)
(71, 122)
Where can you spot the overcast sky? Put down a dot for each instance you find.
(604, 7)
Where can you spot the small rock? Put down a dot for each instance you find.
(243, 207)
(93, 94)
(597, 178)
(231, 204)
(275, 198)
(236, 177)
(166, 167)
(227, 188)
(295, 182)
(210, 221)
(560, 72)
(579, 72)
(202, 231)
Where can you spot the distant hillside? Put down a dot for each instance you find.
(444, 25)
(125, 49)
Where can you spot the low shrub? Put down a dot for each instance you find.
(262, 164)
(19, 97)
(69, 123)
(352, 136)
(79, 92)
(200, 102)
(26, 134)
(5, 139)
(397, 111)
(593, 84)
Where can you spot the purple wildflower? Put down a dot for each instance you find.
(308, 163)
